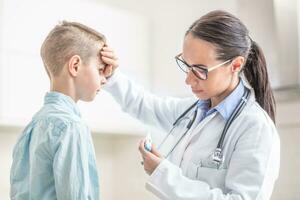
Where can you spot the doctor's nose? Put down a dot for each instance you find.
(191, 79)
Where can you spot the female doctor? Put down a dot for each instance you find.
(223, 144)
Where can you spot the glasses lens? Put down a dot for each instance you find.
(182, 65)
(200, 73)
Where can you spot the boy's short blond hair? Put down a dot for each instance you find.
(66, 40)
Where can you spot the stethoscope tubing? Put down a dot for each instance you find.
(233, 116)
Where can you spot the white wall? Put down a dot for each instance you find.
(7, 140)
(287, 28)
(288, 123)
(1, 55)
(298, 24)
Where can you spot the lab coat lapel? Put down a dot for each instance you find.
(168, 144)
(177, 134)
(195, 130)
(198, 127)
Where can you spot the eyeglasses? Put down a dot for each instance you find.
(200, 71)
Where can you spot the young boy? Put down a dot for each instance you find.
(54, 158)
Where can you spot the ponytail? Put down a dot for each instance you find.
(255, 70)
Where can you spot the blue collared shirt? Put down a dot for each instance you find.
(54, 158)
(225, 107)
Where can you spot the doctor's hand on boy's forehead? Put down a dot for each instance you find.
(109, 58)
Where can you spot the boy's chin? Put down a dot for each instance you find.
(89, 99)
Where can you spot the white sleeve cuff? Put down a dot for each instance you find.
(113, 79)
(154, 182)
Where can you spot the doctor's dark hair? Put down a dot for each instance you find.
(231, 39)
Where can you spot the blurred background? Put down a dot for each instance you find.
(146, 36)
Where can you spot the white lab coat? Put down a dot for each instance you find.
(251, 148)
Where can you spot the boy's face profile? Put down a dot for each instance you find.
(90, 77)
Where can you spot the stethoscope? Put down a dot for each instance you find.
(217, 155)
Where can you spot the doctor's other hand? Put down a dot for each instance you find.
(110, 59)
(151, 159)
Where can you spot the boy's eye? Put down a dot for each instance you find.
(101, 70)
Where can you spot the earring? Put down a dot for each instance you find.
(236, 65)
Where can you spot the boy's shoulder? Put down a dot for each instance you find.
(51, 112)
(56, 120)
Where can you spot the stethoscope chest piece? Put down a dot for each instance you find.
(217, 157)
(213, 161)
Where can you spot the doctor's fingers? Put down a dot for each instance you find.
(153, 154)
(142, 147)
(110, 61)
(109, 54)
(145, 154)
(151, 162)
(141, 150)
(108, 71)
(155, 151)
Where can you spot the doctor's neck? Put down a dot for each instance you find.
(214, 101)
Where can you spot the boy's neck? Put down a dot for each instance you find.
(63, 86)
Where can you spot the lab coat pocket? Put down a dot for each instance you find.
(211, 173)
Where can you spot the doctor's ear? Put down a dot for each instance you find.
(74, 64)
(237, 64)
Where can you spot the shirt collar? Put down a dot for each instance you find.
(66, 102)
(227, 106)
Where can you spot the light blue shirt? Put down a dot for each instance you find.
(54, 158)
(226, 107)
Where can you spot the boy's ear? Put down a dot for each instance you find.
(237, 63)
(74, 64)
